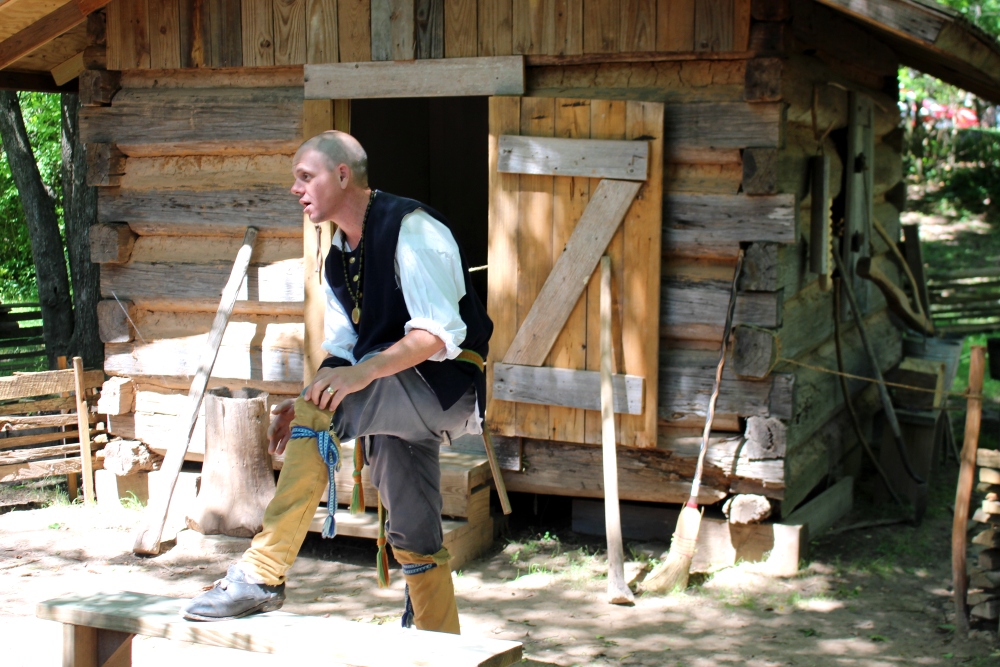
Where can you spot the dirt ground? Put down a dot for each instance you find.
(869, 598)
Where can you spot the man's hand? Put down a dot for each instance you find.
(331, 385)
(278, 432)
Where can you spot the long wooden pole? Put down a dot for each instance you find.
(618, 592)
(147, 539)
(963, 494)
(83, 424)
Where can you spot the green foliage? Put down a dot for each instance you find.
(17, 272)
(982, 13)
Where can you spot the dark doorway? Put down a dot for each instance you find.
(433, 150)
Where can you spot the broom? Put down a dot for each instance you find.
(673, 573)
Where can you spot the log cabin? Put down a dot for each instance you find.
(667, 134)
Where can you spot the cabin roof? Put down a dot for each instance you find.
(42, 41)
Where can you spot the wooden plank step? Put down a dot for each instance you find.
(341, 642)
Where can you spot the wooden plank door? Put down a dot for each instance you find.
(543, 364)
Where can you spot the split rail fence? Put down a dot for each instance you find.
(965, 301)
(22, 347)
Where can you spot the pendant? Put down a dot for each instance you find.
(356, 315)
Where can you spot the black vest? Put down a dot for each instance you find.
(383, 309)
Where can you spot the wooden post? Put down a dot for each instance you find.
(83, 424)
(966, 473)
(72, 482)
(618, 592)
(147, 539)
(85, 646)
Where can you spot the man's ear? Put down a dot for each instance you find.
(343, 176)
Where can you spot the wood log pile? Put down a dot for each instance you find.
(983, 596)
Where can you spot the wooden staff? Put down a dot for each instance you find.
(147, 539)
(963, 494)
(83, 423)
(618, 591)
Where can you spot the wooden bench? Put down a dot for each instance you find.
(98, 632)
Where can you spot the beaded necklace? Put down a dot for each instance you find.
(356, 294)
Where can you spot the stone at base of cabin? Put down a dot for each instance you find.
(192, 541)
(128, 457)
(747, 508)
(112, 489)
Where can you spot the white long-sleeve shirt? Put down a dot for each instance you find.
(429, 271)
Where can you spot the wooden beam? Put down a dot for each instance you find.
(39, 82)
(498, 75)
(568, 278)
(69, 69)
(564, 387)
(592, 158)
(45, 29)
(105, 166)
(267, 207)
(346, 642)
(113, 321)
(45, 383)
(732, 219)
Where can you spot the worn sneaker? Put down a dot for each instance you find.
(234, 597)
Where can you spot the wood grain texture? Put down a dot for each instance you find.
(257, 32)
(565, 388)
(565, 283)
(570, 197)
(420, 78)
(495, 18)
(19, 472)
(381, 17)
(724, 125)
(322, 34)
(568, 38)
(460, 29)
(505, 118)
(128, 22)
(675, 25)
(269, 207)
(428, 24)
(21, 37)
(601, 20)
(730, 219)
(638, 26)
(533, 23)
(289, 32)
(354, 26)
(164, 34)
(713, 25)
(45, 383)
(640, 293)
(279, 632)
(534, 252)
(591, 158)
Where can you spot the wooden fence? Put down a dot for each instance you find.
(22, 347)
(965, 301)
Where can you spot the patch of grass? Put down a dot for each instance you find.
(132, 502)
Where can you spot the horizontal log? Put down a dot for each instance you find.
(670, 82)
(576, 470)
(211, 121)
(113, 324)
(729, 220)
(40, 405)
(277, 357)
(556, 156)
(702, 178)
(40, 469)
(770, 267)
(22, 456)
(45, 383)
(687, 378)
(270, 208)
(105, 165)
(280, 282)
(498, 75)
(213, 249)
(111, 243)
(697, 309)
(280, 76)
(19, 423)
(565, 387)
(724, 125)
(208, 172)
(37, 439)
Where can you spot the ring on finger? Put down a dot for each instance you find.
(330, 391)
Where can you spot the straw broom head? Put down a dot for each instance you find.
(672, 574)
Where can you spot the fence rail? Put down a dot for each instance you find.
(965, 301)
(22, 347)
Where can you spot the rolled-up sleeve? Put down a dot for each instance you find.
(429, 267)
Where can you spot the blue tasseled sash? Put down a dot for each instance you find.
(329, 450)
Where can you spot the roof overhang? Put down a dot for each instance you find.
(933, 39)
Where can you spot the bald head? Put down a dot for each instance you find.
(339, 148)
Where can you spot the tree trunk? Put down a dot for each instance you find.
(237, 477)
(43, 230)
(79, 213)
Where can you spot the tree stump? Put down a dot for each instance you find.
(237, 478)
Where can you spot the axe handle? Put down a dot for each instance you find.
(491, 454)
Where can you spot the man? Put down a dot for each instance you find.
(406, 337)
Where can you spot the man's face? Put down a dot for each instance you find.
(318, 188)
